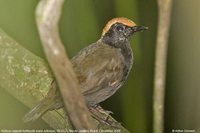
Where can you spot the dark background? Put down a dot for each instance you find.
(81, 24)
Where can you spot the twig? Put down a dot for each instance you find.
(47, 16)
(164, 7)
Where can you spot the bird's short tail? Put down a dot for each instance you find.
(37, 111)
(50, 102)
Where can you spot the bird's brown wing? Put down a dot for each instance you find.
(102, 67)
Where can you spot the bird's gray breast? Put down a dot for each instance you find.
(127, 53)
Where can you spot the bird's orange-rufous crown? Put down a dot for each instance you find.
(122, 20)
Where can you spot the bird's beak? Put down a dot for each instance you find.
(139, 28)
(131, 30)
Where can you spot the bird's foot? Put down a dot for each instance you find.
(103, 116)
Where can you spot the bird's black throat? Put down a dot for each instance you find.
(125, 49)
(123, 45)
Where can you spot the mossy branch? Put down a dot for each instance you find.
(28, 78)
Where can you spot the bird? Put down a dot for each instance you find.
(101, 67)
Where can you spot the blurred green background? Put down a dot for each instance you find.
(81, 24)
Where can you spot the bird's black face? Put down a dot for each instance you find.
(122, 31)
(119, 33)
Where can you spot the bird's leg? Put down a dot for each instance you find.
(103, 116)
(101, 110)
(95, 112)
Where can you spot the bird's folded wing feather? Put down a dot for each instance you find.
(103, 67)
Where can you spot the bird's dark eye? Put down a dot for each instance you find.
(120, 28)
